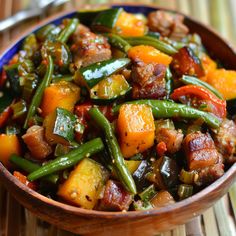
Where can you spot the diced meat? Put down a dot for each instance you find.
(168, 24)
(161, 199)
(200, 150)
(89, 48)
(79, 32)
(185, 62)
(225, 140)
(171, 137)
(115, 197)
(35, 141)
(209, 174)
(148, 81)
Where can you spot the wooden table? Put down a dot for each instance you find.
(218, 220)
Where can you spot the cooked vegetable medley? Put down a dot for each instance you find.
(116, 111)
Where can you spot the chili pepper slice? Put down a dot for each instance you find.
(219, 106)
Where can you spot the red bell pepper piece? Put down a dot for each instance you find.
(23, 179)
(5, 115)
(218, 106)
(161, 148)
(3, 78)
(82, 111)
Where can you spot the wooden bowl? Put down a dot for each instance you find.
(83, 221)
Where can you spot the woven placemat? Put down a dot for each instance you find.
(216, 221)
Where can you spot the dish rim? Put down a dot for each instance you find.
(215, 186)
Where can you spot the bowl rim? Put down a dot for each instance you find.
(107, 214)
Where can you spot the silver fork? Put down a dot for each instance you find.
(35, 8)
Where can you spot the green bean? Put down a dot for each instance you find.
(169, 82)
(68, 160)
(186, 79)
(58, 78)
(168, 109)
(39, 92)
(156, 43)
(117, 42)
(68, 30)
(29, 167)
(118, 163)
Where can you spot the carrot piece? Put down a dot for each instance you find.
(9, 144)
(23, 179)
(62, 94)
(130, 25)
(148, 54)
(136, 128)
(224, 81)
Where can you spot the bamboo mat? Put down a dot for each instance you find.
(217, 221)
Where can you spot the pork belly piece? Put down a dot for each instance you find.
(148, 81)
(115, 197)
(35, 141)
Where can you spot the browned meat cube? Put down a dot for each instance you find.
(148, 81)
(35, 141)
(90, 48)
(225, 140)
(115, 197)
(200, 150)
(171, 137)
(167, 24)
(161, 199)
(209, 174)
(186, 63)
(80, 32)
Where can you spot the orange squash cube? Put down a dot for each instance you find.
(84, 184)
(9, 144)
(208, 65)
(148, 54)
(136, 128)
(62, 94)
(224, 81)
(130, 25)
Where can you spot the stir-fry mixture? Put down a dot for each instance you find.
(116, 111)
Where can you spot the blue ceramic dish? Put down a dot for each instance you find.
(116, 223)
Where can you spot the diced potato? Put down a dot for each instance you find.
(62, 94)
(136, 128)
(84, 184)
(9, 144)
